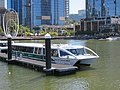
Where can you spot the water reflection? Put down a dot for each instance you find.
(102, 75)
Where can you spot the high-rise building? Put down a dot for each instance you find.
(2, 11)
(98, 8)
(40, 12)
(48, 12)
(3, 3)
(17, 6)
(67, 9)
(102, 16)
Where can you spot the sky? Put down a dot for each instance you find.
(76, 5)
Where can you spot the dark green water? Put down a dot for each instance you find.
(104, 74)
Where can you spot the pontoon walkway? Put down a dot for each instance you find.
(57, 69)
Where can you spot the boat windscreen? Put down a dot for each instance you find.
(63, 53)
(77, 51)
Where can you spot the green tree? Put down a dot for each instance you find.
(1, 31)
(71, 32)
(23, 30)
(72, 21)
(33, 31)
(42, 32)
(53, 34)
(20, 31)
(27, 33)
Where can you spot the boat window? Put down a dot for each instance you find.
(43, 51)
(36, 50)
(73, 51)
(26, 49)
(80, 51)
(13, 47)
(77, 51)
(62, 53)
(0, 44)
(3, 44)
(54, 52)
(40, 51)
(23, 49)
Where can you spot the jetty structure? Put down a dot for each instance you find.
(47, 67)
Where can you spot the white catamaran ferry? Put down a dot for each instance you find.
(3, 46)
(60, 53)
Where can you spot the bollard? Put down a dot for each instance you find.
(9, 38)
(48, 50)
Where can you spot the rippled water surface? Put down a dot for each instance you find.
(104, 74)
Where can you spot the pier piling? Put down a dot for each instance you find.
(9, 39)
(48, 50)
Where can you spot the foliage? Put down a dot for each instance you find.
(71, 32)
(1, 31)
(66, 33)
(27, 33)
(24, 30)
(43, 32)
(72, 21)
(53, 34)
(33, 31)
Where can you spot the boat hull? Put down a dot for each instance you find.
(65, 61)
(87, 62)
(76, 62)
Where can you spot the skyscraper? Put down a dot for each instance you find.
(66, 9)
(102, 8)
(3, 3)
(17, 6)
(48, 12)
(40, 12)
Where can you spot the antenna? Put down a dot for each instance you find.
(115, 6)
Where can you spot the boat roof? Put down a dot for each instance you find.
(54, 46)
(28, 44)
(5, 41)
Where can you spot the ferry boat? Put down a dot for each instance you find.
(3, 46)
(60, 53)
(112, 38)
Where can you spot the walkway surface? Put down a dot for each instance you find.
(57, 67)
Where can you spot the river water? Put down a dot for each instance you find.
(103, 74)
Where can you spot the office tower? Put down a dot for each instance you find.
(17, 6)
(66, 9)
(3, 3)
(40, 12)
(103, 8)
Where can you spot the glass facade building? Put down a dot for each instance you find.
(102, 8)
(39, 12)
(3, 3)
(48, 12)
(17, 6)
